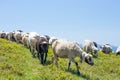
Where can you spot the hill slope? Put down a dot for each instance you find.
(16, 63)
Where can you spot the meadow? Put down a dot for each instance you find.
(17, 63)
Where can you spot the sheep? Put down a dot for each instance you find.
(25, 39)
(17, 36)
(32, 42)
(52, 39)
(42, 48)
(3, 34)
(106, 48)
(90, 46)
(66, 49)
(48, 37)
(95, 44)
(10, 36)
(118, 51)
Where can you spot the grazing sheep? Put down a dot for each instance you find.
(3, 34)
(90, 46)
(42, 48)
(32, 42)
(66, 49)
(52, 39)
(17, 36)
(10, 36)
(95, 44)
(106, 48)
(48, 37)
(25, 39)
(118, 51)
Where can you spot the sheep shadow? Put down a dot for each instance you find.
(46, 63)
(87, 77)
(94, 56)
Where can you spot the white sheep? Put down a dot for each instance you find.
(10, 36)
(118, 51)
(66, 49)
(90, 46)
(52, 39)
(3, 34)
(17, 36)
(25, 39)
(32, 42)
(106, 48)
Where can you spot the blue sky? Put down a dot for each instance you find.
(74, 20)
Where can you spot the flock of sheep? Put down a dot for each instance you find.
(39, 45)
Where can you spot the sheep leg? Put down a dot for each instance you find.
(78, 72)
(38, 55)
(69, 63)
(56, 61)
(96, 54)
(42, 54)
(118, 53)
(92, 53)
(45, 57)
(32, 51)
(53, 59)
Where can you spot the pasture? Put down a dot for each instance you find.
(17, 63)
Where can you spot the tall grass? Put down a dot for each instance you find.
(17, 63)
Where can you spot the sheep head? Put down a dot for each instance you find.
(52, 39)
(87, 58)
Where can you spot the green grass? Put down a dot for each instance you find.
(17, 63)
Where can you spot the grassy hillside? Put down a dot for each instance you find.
(16, 63)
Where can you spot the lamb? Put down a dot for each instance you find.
(66, 49)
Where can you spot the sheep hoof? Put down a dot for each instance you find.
(78, 72)
(68, 69)
(44, 61)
